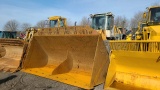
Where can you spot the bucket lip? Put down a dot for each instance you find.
(59, 35)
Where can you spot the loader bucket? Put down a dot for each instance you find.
(72, 55)
(134, 64)
(11, 51)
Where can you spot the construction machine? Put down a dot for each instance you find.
(136, 63)
(57, 21)
(53, 21)
(103, 23)
(72, 55)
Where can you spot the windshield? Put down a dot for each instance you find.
(110, 22)
(98, 22)
(155, 15)
(53, 23)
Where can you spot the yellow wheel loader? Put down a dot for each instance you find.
(135, 64)
(72, 55)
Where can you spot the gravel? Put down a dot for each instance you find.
(24, 81)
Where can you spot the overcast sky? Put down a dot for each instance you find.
(32, 11)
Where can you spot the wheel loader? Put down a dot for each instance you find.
(135, 64)
(74, 55)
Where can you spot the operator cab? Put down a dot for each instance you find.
(103, 21)
(154, 13)
(56, 21)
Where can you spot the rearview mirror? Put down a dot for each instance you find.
(144, 15)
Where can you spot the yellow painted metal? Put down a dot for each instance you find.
(59, 18)
(11, 51)
(72, 55)
(154, 32)
(135, 63)
(103, 33)
(129, 37)
(55, 18)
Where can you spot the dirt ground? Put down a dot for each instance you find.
(24, 81)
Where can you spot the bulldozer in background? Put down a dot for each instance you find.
(136, 63)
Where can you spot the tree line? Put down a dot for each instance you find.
(119, 21)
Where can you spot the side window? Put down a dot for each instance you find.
(157, 16)
(61, 23)
(110, 23)
(53, 23)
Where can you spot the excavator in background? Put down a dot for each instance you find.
(135, 64)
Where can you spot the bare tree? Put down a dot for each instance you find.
(24, 26)
(120, 21)
(41, 24)
(11, 25)
(85, 21)
(69, 22)
(136, 19)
